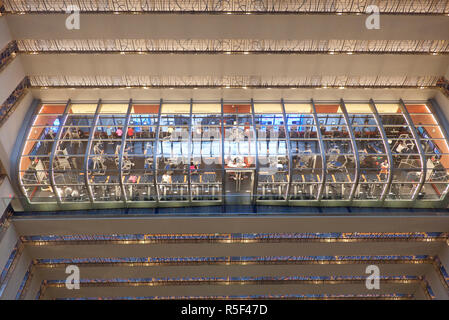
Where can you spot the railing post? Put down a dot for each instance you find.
(189, 151)
(422, 156)
(355, 150)
(88, 147)
(323, 153)
(54, 149)
(155, 150)
(289, 151)
(256, 173)
(122, 150)
(387, 149)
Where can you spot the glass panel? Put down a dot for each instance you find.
(114, 109)
(437, 176)
(272, 151)
(388, 108)
(419, 109)
(145, 110)
(298, 108)
(306, 176)
(172, 182)
(69, 182)
(203, 158)
(103, 169)
(340, 161)
(176, 108)
(139, 179)
(82, 108)
(206, 182)
(273, 180)
(372, 180)
(358, 108)
(239, 137)
(52, 109)
(268, 108)
(79, 120)
(35, 178)
(206, 108)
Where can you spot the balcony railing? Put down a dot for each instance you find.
(233, 46)
(231, 6)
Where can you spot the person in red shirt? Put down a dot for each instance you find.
(130, 132)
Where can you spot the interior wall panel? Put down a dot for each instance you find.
(274, 65)
(187, 26)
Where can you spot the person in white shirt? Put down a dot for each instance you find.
(233, 163)
(401, 147)
(166, 178)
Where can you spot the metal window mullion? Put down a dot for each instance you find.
(155, 150)
(441, 122)
(122, 149)
(355, 150)
(223, 178)
(323, 152)
(256, 174)
(387, 149)
(289, 150)
(53, 151)
(189, 151)
(22, 149)
(86, 155)
(415, 134)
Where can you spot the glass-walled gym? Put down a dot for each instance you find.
(136, 154)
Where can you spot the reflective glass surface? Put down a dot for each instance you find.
(254, 152)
